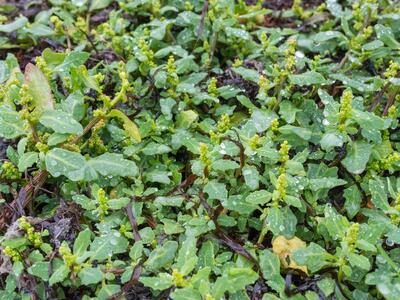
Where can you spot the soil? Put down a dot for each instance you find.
(285, 4)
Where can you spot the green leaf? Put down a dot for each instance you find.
(359, 261)
(288, 111)
(60, 122)
(107, 291)
(131, 129)
(82, 242)
(162, 282)
(63, 162)
(75, 106)
(385, 34)
(57, 138)
(101, 248)
(233, 280)
(269, 264)
(169, 201)
(224, 165)
(162, 255)
(216, 190)
(259, 197)
(314, 257)
(187, 258)
(11, 124)
(251, 177)
(353, 200)
(247, 74)
(90, 275)
(15, 25)
(187, 293)
(357, 157)
(236, 32)
(331, 140)
(73, 59)
(328, 35)
(325, 183)
(118, 203)
(27, 160)
(262, 119)
(335, 223)
(378, 194)
(112, 164)
(307, 78)
(353, 83)
(99, 4)
(39, 89)
(303, 133)
(282, 221)
(155, 148)
(40, 269)
(186, 118)
(59, 274)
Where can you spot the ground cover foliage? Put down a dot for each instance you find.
(199, 149)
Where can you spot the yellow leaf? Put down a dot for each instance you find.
(38, 88)
(284, 248)
(129, 126)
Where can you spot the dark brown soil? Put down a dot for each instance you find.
(285, 4)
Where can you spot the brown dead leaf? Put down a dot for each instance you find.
(284, 248)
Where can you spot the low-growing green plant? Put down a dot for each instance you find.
(200, 150)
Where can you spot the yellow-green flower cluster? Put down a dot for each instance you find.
(298, 9)
(274, 125)
(352, 235)
(237, 63)
(213, 9)
(212, 87)
(188, 6)
(12, 253)
(146, 51)
(289, 52)
(280, 191)
(34, 237)
(96, 143)
(386, 163)
(284, 152)
(178, 278)
(42, 147)
(155, 9)
(42, 65)
(254, 141)
(58, 25)
(357, 42)
(214, 137)
(396, 216)
(9, 171)
(264, 40)
(25, 98)
(203, 149)
(123, 75)
(67, 256)
(392, 70)
(103, 203)
(392, 112)
(81, 23)
(224, 123)
(345, 112)
(316, 62)
(3, 19)
(104, 29)
(172, 76)
(263, 83)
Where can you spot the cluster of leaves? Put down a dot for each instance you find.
(187, 150)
